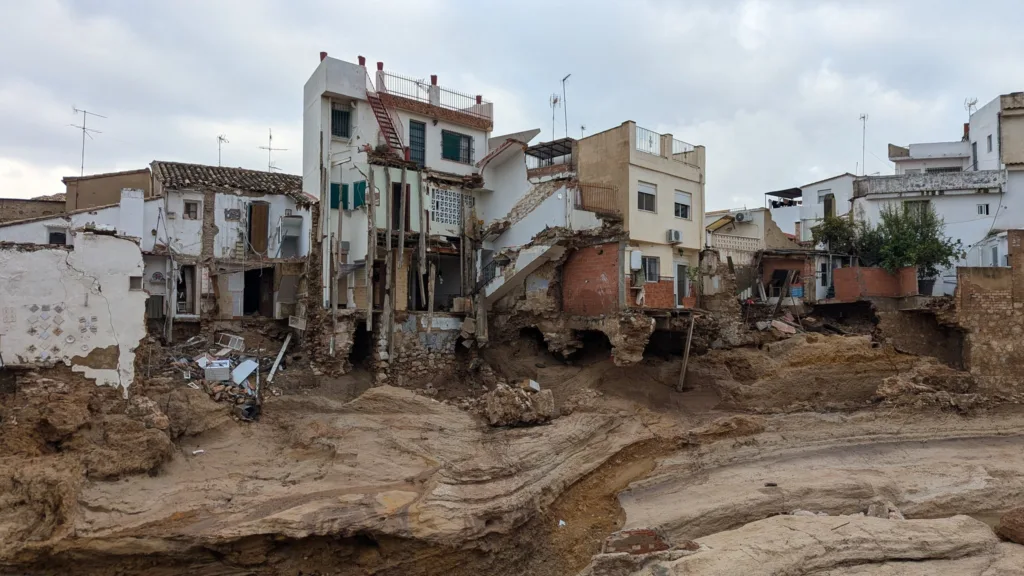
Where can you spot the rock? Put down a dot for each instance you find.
(886, 510)
(146, 410)
(637, 541)
(507, 406)
(1011, 525)
(731, 426)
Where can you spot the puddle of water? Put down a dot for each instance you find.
(990, 518)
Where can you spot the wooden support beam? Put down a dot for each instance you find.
(784, 293)
(430, 297)
(371, 246)
(680, 386)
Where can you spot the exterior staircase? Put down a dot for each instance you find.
(386, 122)
(500, 282)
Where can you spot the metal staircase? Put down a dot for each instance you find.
(385, 118)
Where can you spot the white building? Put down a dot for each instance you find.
(216, 243)
(358, 128)
(976, 185)
(810, 203)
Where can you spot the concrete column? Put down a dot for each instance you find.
(666, 146)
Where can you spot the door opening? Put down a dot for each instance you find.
(258, 294)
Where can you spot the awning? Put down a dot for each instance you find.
(553, 149)
(789, 193)
(721, 223)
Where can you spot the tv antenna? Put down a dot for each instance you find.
(863, 141)
(971, 105)
(270, 151)
(555, 101)
(583, 127)
(221, 139)
(565, 105)
(85, 131)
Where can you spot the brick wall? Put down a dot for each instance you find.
(660, 294)
(19, 209)
(853, 283)
(590, 280)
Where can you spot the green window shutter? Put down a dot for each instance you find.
(359, 194)
(344, 197)
(451, 145)
(335, 195)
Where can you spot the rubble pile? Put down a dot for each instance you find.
(523, 405)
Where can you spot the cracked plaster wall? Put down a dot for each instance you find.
(61, 305)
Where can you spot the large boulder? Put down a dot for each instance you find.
(507, 406)
(1011, 525)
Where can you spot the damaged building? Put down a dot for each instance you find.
(217, 244)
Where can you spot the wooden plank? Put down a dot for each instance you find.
(280, 354)
(430, 296)
(371, 247)
(686, 355)
(784, 293)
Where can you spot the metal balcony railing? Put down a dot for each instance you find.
(487, 273)
(422, 91)
(680, 147)
(648, 141)
(598, 199)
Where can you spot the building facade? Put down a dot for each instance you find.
(96, 190)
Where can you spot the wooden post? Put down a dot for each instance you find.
(785, 292)
(371, 246)
(421, 270)
(686, 356)
(430, 297)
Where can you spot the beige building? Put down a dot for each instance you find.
(104, 189)
(659, 183)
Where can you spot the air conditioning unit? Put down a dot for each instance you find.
(674, 236)
(744, 216)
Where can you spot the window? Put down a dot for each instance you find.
(682, 208)
(912, 171)
(191, 210)
(340, 120)
(456, 147)
(646, 198)
(974, 155)
(995, 256)
(989, 139)
(944, 169)
(58, 238)
(916, 206)
(822, 194)
(135, 282)
(983, 209)
(418, 142)
(652, 273)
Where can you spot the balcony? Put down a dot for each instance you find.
(650, 142)
(419, 95)
(551, 159)
(597, 199)
(930, 182)
(736, 243)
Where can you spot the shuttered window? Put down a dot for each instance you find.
(456, 147)
(340, 120)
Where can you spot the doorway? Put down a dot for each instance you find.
(396, 206)
(258, 294)
(185, 290)
(682, 287)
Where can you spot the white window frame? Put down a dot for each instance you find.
(983, 210)
(653, 193)
(688, 202)
(645, 266)
(989, 140)
(58, 230)
(822, 194)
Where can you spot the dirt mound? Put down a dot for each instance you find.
(819, 372)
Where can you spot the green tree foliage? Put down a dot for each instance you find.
(908, 234)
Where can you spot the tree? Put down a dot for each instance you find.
(910, 234)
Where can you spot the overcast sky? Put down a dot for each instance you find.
(774, 89)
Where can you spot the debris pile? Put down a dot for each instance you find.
(227, 371)
(523, 405)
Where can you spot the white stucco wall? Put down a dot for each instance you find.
(985, 123)
(61, 305)
(504, 183)
(185, 236)
(786, 217)
(228, 230)
(109, 218)
(811, 212)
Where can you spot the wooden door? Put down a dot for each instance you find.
(259, 224)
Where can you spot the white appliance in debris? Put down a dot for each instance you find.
(636, 260)
(674, 236)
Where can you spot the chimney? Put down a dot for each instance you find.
(362, 61)
(967, 131)
(380, 66)
(796, 228)
(323, 56)
(479, 99)
(433, 79)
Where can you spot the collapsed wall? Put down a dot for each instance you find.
(84, 307)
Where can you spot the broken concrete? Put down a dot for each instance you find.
(508, 406)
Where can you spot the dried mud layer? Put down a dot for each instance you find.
(397, 483)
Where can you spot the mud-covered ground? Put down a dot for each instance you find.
(340, 478)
